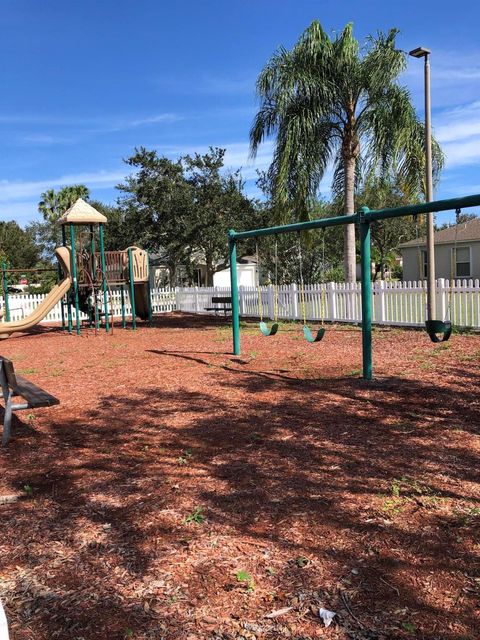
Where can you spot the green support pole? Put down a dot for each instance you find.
(94, 274)
(6, 304)
(150, 310)
(232, 245)
(68, 296)
(122, 293)
(104, 278)
(132, 289)
(149, 294)
(75, 279)
(62, 307)
(366, 295)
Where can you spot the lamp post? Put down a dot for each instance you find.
(422, 52)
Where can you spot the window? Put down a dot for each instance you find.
(424, 263)
(461, 255)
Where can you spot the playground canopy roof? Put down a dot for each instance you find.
(82, 213)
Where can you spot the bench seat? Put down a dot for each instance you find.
(223, 300)
(14, 386)
(34, 395)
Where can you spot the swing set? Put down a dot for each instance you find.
(271, 331)
(437, 330)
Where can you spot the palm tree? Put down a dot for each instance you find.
(327, 101)
(49, 205)
(54, 203)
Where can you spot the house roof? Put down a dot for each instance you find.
(465, 232)
(82, 213)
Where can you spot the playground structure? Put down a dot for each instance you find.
(88, 277)
(364, 218)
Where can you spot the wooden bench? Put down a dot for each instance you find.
(224, 300)
(16, 386)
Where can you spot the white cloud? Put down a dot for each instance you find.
(22, 212)
(89, 124)
(454, 77)
(16, 190)
(42, 139)
(458, 131)
(458, 123)
(461, 153)
(161, 117)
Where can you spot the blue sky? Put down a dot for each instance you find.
(85, 81)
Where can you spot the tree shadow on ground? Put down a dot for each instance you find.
(300, 467)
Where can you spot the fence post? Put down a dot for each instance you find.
(442, 290)
(241, 300)
(294, 300)
(195, 302)
(6, 305)
(381, 294)
(332, 302)
(346, 297)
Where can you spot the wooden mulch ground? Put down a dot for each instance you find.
(179, 492)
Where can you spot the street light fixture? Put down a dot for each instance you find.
(423, 52)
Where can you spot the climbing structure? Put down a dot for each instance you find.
(89, 278)
(97, 274)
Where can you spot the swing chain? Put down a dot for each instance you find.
(453, 263)
(302, 287)
(259, 292)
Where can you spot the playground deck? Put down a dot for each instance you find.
(180, 492)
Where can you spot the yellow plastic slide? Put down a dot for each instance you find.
(56, 294)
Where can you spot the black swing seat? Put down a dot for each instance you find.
(268, 331)
(309, 335)
(438, 331)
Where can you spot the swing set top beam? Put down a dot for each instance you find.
(365, 215)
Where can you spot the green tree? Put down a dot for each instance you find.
(327, 100)
(218, 205)
(387, 235)
(321, 248)
(156, 207)
(182, 209)
(17, 249)
(117, 233)
(17, 246)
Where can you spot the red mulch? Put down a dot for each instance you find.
(312, 488)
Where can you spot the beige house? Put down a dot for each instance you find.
(462, 263)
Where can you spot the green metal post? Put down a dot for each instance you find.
(68, 296)
(366, 295)
(149, 295)
(6, 304)
(232, 245)
(104, 278)
(62, 306)
(132, 289)
(122, 293)
(75, 279)
(150, 310)
(94, 274)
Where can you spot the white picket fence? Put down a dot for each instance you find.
(20, 305)
(394, 303)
